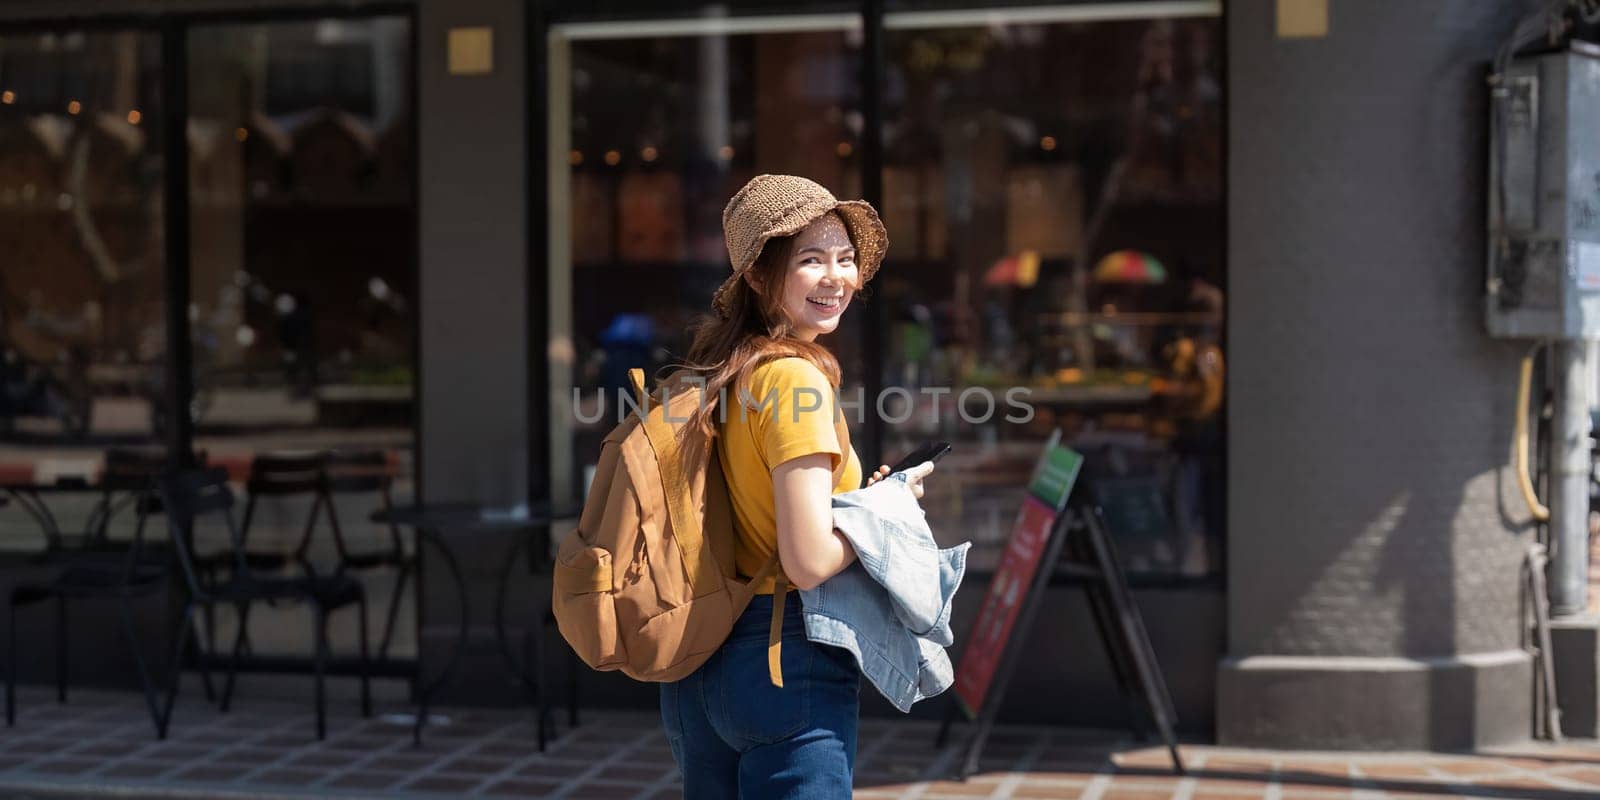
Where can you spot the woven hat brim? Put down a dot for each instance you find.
(866, 230)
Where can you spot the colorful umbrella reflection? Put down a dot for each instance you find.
(1129, 266)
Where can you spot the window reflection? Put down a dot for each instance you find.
(662, 132)
(303, 273)
(1054, 195)
(81, 310)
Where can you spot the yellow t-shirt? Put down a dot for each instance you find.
(774, 425)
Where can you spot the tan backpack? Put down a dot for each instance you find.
(646, 584)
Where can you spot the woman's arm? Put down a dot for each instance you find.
(809, 548)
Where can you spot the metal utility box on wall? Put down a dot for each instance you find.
(1544, 271)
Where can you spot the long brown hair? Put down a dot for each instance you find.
(726, 350)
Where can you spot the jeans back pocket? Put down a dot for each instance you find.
(754, 712)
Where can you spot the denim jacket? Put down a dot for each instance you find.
(891, 608)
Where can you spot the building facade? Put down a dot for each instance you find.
(1238, 267)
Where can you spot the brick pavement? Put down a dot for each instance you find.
(101, 745)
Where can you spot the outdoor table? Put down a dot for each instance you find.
(27, 494)
(429, 520)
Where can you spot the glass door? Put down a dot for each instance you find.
(303, 274)
(652, 128)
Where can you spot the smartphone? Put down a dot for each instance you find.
(929, 451)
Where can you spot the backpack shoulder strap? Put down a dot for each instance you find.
(780, 592)
(636, 377)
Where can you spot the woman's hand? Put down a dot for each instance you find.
(914, 476)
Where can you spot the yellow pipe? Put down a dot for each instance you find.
(1539, 510)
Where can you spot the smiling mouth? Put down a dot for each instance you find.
(825, 302)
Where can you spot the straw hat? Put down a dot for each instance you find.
(783, 205)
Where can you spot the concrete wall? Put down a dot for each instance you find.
(1375, 532)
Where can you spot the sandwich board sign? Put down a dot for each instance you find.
(1019, 569)
(1054, 541)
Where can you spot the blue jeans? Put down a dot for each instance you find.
(735, 735)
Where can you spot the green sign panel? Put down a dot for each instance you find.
(1057, 471)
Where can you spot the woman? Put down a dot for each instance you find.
(798, 256)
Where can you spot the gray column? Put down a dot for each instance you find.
(1375, 533)
(473, 338)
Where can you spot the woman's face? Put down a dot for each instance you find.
(821, 278)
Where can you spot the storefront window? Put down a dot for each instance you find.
(651, 135)
(1053, 191)
(303, 268)
(1052, 187)
(82, 342)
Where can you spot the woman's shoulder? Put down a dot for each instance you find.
(789, 370)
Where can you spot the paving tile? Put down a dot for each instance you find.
(1056, 773)
(255, 756)
(174, 752)
(1464, 768)
(209, 773)
(642, 773)
(134, 769)
(35, 746)
(399, 762)
(105, 749)
(598, 791)
(287, 777)
(314, 760)
(957, 789)
(285, 740)
(585, 752)
(440, 783)
(365, 780)
(361, 744)
(470, 765)
(1234, 763)
(865, 779)
(1517, 782)
(1589, 775)
(521, 788)
(507, 749)
(1225, 785)
(1329, 769)
(1040, 791)
(1396, 771)
(460, 731)
(545, 769)
(63, 766)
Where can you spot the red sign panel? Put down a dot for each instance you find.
(1006, 595)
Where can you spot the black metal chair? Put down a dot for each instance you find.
(190, 494)
(284, 475)
(94, 571)
(272, 475)
(369, 471)
(128, 480)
